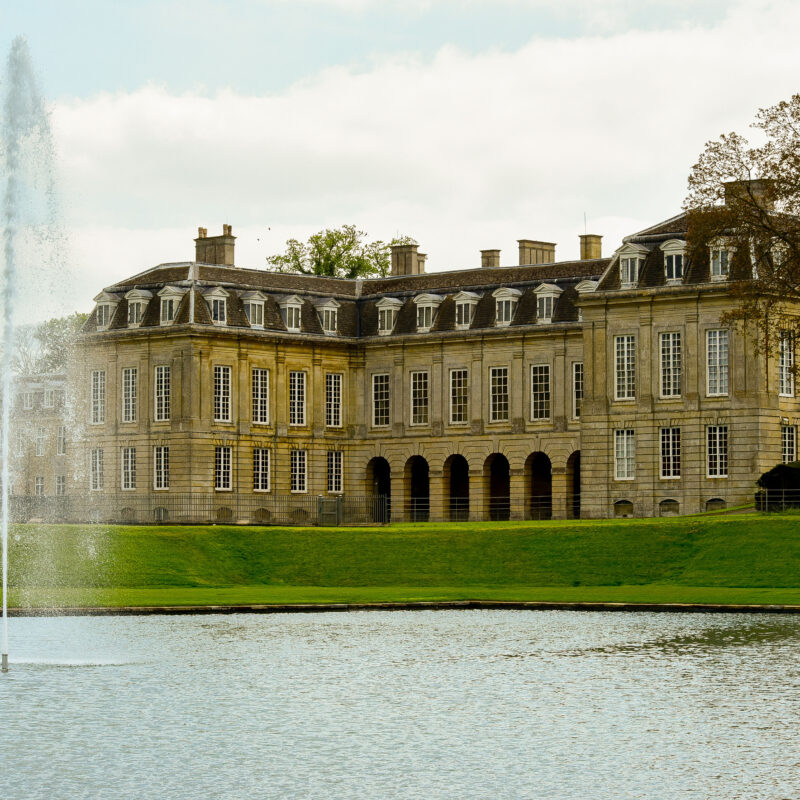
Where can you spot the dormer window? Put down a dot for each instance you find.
(674, 258)
(137, 302)
(167, 310)
(721, 257)
(465, 308)
(629, 271)
(388, 309)
(104, 311)
(170, 299)
(254, 313)
(290, 312)
(135, 313)
(582, 288)
(631, 259)
(505, 305)
(546, 298)
(427, 306)
(253, 303)
(219, 309)
(103, 315)
(328, 311)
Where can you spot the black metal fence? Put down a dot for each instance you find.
(202, 509)
(777, 499)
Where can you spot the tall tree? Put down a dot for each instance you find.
(46, 347)
(748, 196)
(337, 253)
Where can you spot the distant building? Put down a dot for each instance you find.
(592, 388)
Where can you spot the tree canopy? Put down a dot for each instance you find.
(337, 253)
(46, 347)
(748, 196)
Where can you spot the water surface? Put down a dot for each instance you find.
(427, 704)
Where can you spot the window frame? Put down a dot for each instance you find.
(130, 381)
(788, 444)
(40, 440)
(578, 388)
(786, 353)
(670, 361)
(223, 393)
(260, 456)
(625, 459)
(297, 398)
(386, 381)
(541, 398)
(96, 469)
(335, 473)
(723, 369)
(97, 403)
(670, 439)
(259, 396)
(719, 437)
(625, 367)
(465, 301)
(298, 471)
(162, 401)
(61, 441)
(463, 373)
(160, 468)
(419, 397)
(223, 468)
(258, 306)
(127, 469)
(334, 395)
(499, 408)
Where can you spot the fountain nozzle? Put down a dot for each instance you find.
(4, 667)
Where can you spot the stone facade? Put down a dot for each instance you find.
(495, 392)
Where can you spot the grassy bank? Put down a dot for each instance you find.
(729, 559)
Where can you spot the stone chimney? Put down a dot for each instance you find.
(490, 258)
(755, 191)
(406, 260)
(532, 252)
(215, 249)
(591, 246)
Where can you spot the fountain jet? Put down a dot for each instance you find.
(25, 124)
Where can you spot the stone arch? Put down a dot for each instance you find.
(539, 486)
(418, 489)
(378, 481)
(574, 485)
(623, 508)
(456, 483)
(497, 480)
(669, 508)
(715, 504)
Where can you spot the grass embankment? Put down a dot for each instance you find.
(733, 559)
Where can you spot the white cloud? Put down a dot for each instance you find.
(463, 152)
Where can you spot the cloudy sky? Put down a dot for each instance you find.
(467, 124)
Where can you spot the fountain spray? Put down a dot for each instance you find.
(24, 119)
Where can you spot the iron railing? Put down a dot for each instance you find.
(777, 499)
(204, 509)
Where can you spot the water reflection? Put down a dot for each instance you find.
(434, 705)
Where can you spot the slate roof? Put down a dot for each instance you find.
(357, 315)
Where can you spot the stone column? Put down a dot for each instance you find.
(559, 492)
(399, 496)
(516, 487)
(438, 496)
(477, 496)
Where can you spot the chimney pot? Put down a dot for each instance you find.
(591, 246)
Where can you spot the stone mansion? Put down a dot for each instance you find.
(587, 388)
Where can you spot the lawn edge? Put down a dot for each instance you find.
(445, 605)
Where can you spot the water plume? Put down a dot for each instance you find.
(27, 154)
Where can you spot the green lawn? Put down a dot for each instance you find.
(745, 558)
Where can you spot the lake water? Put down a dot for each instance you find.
(423, 705)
